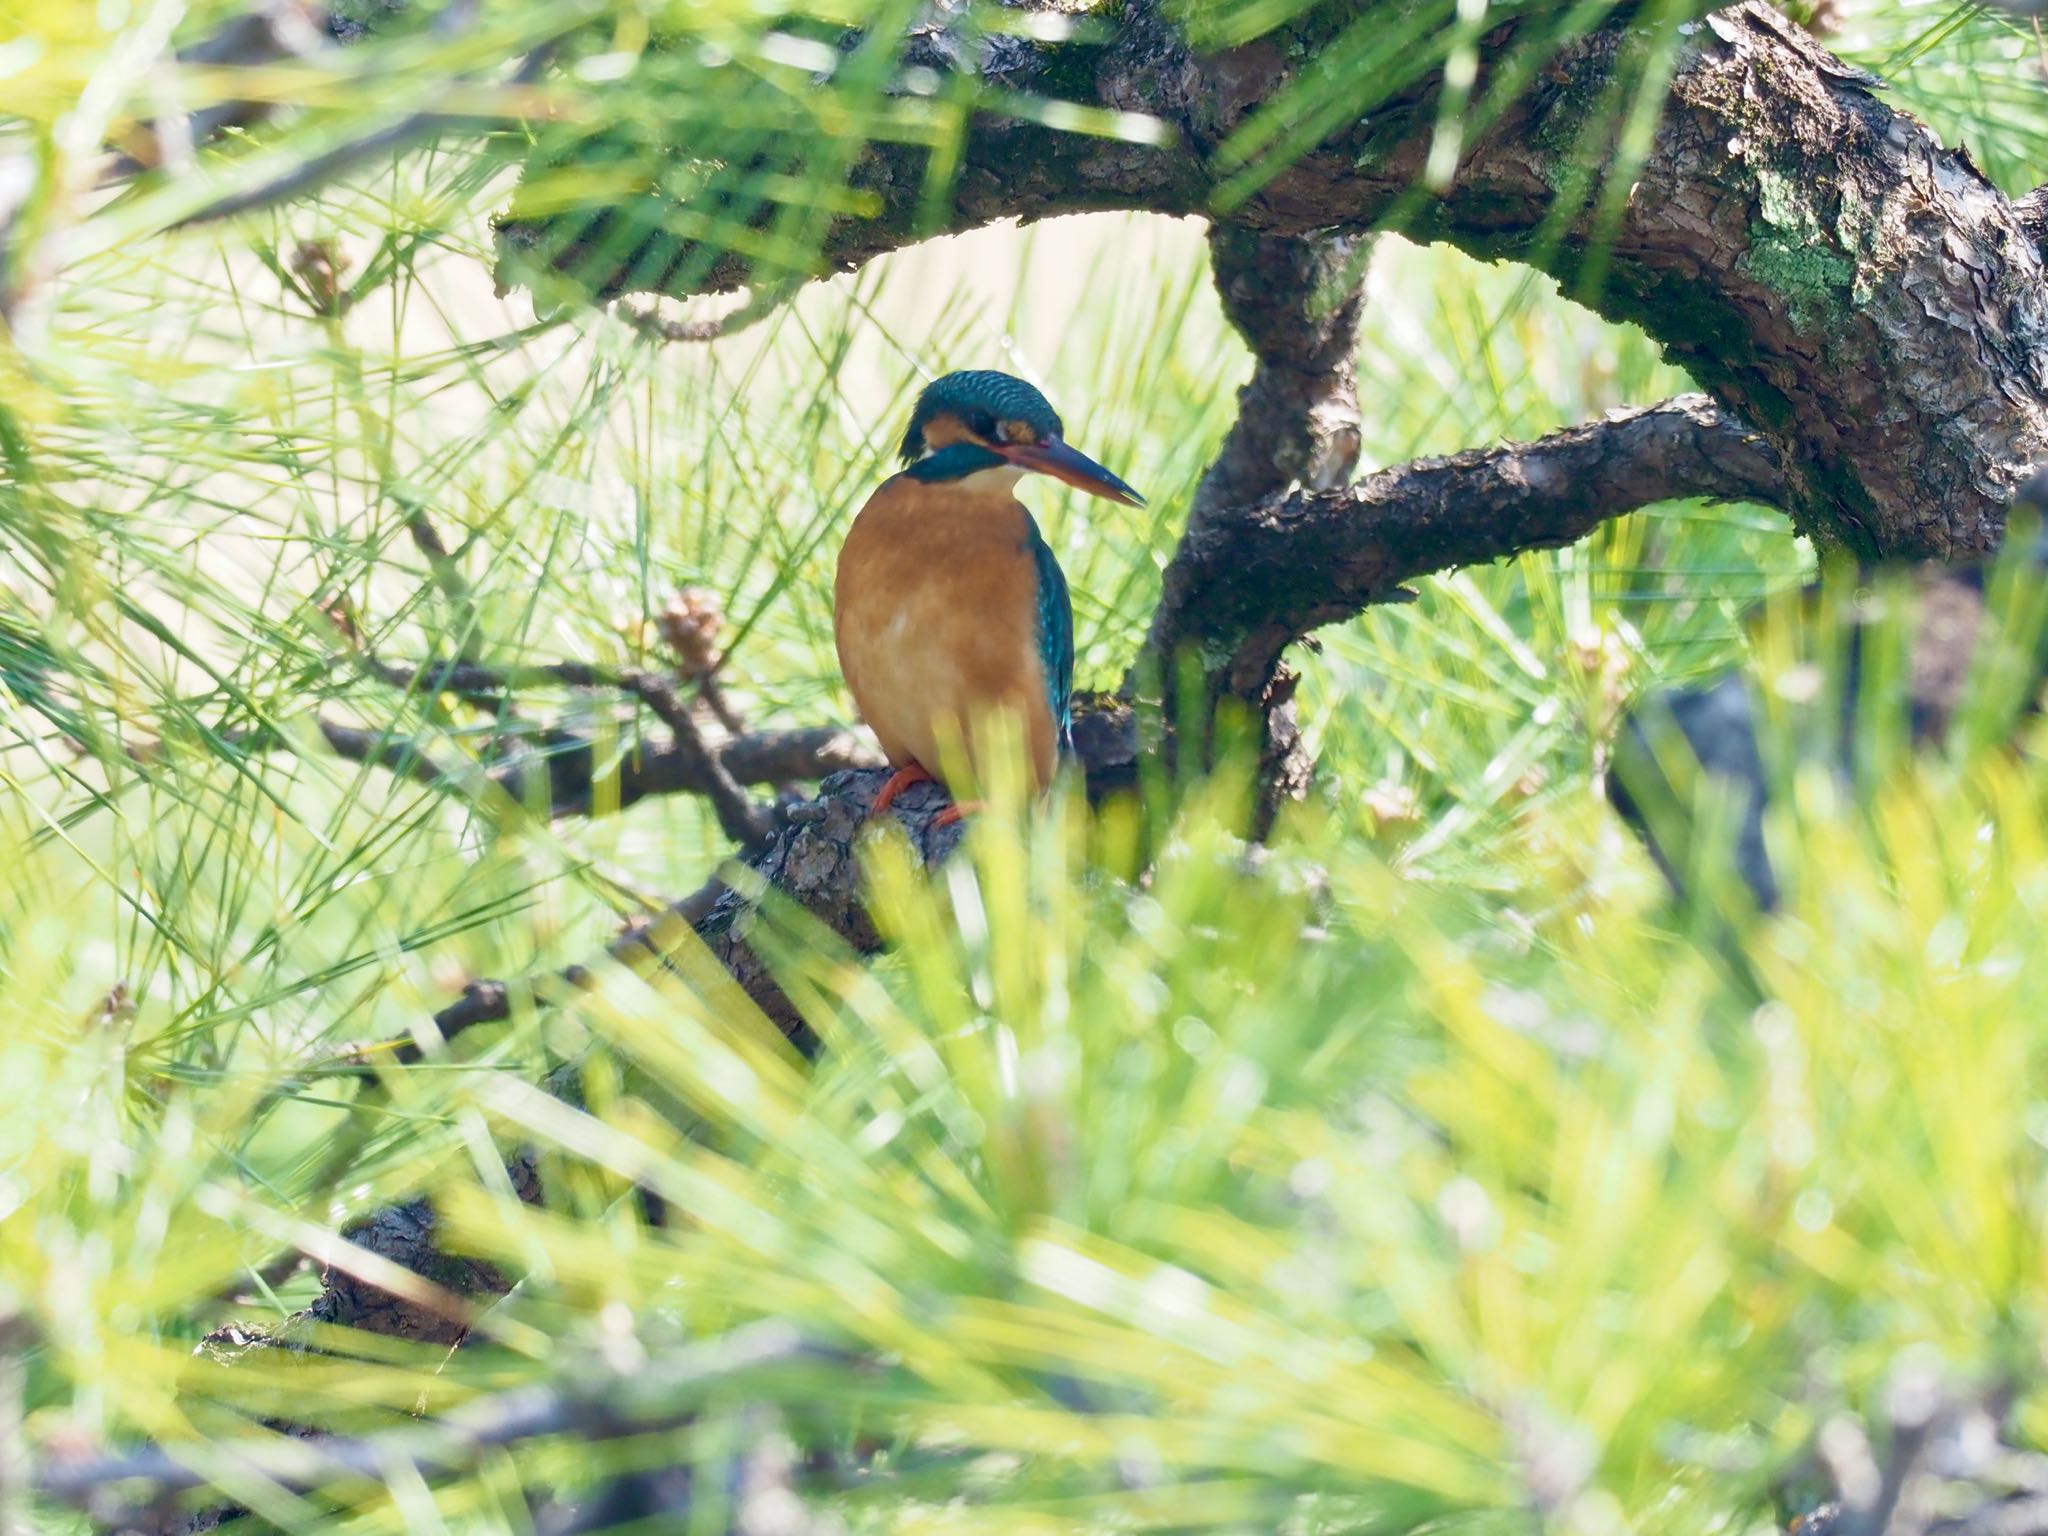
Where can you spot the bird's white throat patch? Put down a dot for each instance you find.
(988, 482)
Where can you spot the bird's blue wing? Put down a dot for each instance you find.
(1055, 633)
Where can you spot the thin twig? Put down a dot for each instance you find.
(690, 622)
(400, 754)
(488, 1001)
(279, 30)
(577, 780)
(446, 570)
(712, 692)
(758, 305)
(743, 819)
(476, 680)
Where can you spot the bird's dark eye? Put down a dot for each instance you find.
(982, 425)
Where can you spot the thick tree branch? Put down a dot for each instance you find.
(1295, 299)
(1248, 582)
(1860, 295)
(1247, 586)
(1857, 293)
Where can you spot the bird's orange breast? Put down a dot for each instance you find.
(935, 613)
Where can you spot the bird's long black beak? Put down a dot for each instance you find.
(1055, 458)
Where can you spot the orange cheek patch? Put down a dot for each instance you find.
(944, 429)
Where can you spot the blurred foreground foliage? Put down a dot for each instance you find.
(1296, 1194)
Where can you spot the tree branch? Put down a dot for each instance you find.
(595, 1407)
(811, 860)
(261, 36)
(331, 164)
(1858, 294)
(1248, 582)
(569, 780)
(1011, 168)
(745, 822)
(644, 770)
(564, 773)
(1295, 299)
(476, 680)
(1246, 586)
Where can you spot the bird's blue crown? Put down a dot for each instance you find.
(981, 398)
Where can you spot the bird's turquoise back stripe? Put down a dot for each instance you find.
(1055, 633)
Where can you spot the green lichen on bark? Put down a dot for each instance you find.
(1812, 280)
(1859, 229)
(1793, 255)
(1573, 130)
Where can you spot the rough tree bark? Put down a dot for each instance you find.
(1295, 300)
(1246, 586)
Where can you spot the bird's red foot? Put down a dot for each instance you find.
(897, 782)
(955, 811)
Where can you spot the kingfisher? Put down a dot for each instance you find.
(948, 604)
